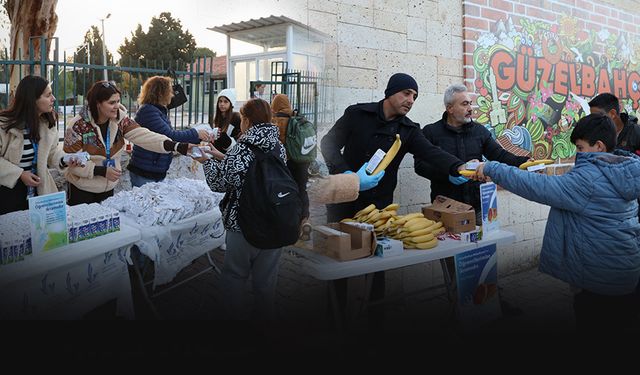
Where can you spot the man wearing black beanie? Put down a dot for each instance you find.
(364, 128)
(359, 133)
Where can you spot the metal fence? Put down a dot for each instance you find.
(71, 80)
(306, 90)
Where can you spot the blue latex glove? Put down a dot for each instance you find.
(458, 180)
(368, 181)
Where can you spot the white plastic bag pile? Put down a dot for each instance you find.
(162, 203)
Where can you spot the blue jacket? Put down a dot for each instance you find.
(592, 238)
(155, 118)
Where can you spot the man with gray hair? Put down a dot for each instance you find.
(457, 134)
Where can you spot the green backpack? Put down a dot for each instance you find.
(301, 141)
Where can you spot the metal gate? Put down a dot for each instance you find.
(71, 80)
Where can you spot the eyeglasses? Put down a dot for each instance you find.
(108, 84)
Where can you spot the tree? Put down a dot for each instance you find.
(164, 43)
(203, 51)
(29, 19)
(94, 41)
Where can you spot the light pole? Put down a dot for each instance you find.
(104, 48)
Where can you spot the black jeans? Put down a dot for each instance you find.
(13, 199)
(300, 173)
(78, 196)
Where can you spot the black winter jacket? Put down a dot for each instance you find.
(629, 137)
(470, 141)
(361, 131)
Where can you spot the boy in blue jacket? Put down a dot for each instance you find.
(592, 237)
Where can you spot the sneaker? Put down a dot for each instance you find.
(223, 247)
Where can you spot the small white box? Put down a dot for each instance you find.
(375, 160)
(536, 167)
(387, 247)
(472, 165)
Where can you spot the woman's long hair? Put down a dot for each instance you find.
(23, 112)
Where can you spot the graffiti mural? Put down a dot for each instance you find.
(534, 80)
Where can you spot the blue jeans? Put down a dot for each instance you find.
(137, 180)
(241, 262)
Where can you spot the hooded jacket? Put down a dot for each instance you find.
(592, 237)
(155, 118)
(85, 135)
(227, 175)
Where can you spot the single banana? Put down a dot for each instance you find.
(419, 232)
(388, 157)
(403, 219)
(348, 220)
(417, 220)
(391, 207)
(467, 173)
(366, 210)
(416, 226)
(421, 239)
(527, 164)
(427, 245)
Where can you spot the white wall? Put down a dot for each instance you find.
(371, 40)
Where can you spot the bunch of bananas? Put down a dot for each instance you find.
(414, 230)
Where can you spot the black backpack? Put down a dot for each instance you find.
(270, 207)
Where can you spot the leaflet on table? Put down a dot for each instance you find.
(48, 219)
(489, 206)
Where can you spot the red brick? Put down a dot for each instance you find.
(475, 23)
(601, 10)
(580, 13)
(507, 6)
(542, 14)
(470, 34)
(479, 2)
(593, 26)
(519, 9)
(558, 8)
(585, 5)
(468, 59)
(469, 46)
(626, 17)
(614, 13)
(598, 18)
(493, 14)
(538, 3)
(630, 27)
(471, 10)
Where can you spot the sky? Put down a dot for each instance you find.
(75, 18)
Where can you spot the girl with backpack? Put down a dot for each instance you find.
(282, 112)
(227, 173)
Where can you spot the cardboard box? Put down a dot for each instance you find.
(456, 216)
(342, 242)
(387, 247)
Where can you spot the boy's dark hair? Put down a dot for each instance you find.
(606, 102)
(595, 127)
